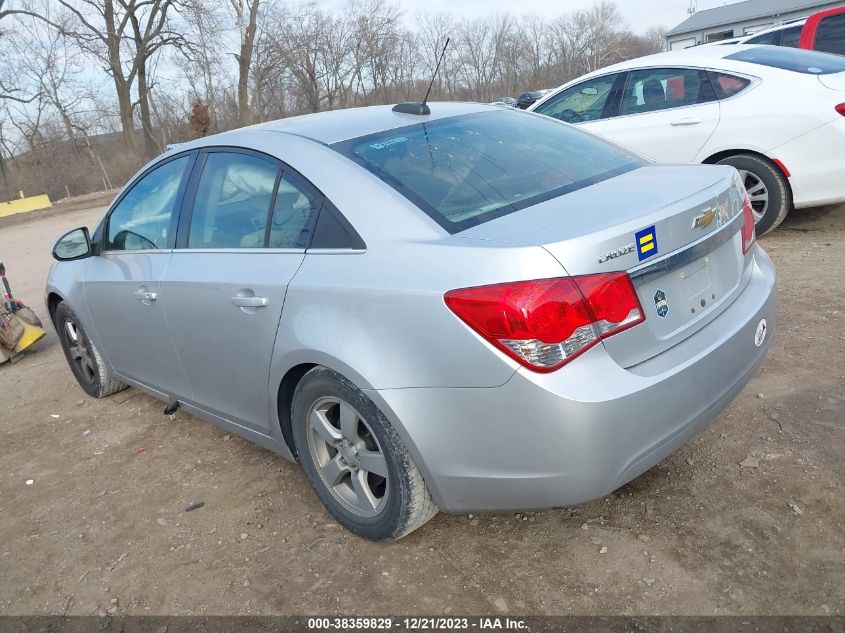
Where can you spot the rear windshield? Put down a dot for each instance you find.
(467, 170)
(794, 59)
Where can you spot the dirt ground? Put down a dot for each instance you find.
(103, 525)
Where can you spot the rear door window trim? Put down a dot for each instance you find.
(284, 170)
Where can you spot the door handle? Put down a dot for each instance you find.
(687, 121)
(250, 302)
(145, 296)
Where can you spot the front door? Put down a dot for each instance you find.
(667, 114)
(122, 283)
(225, 285)
(586, 104)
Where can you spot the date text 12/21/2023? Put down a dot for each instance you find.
(416, 623)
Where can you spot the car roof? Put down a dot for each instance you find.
(339, 125)
(698, 56)
(695, 57)
(779, 27)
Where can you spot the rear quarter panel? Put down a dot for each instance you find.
(780, 107)
(378, 316)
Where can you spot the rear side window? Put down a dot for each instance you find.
(727, 85)
(466, 170)
(830, 36)
(793, 59)
(294, 212)
(662, 88)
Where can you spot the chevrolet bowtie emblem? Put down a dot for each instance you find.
(699, 222)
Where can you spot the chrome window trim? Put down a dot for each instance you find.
(244, 251)
(142, 251)
(335, 251)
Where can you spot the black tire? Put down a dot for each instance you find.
(777, 187)
(86, 363)
(406, 503)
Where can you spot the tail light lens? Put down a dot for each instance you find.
(841, 109)
(545, 323)
(748, 235)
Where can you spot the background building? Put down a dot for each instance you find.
(740, 18)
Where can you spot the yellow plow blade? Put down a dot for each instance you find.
(31, 335)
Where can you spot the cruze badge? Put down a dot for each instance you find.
(616, 253)
(700, 221)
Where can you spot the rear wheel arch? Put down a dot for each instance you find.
(284, 405)
(405, 502)
(767, 172)
(285, 399)
(718, 156)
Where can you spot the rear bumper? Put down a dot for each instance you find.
(560, 439)
(816, 163)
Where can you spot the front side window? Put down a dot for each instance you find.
(794, 59)
(142, 218)
(232, 202)
(830, 36)
(466, 170)
(654, 89)
(584, 102)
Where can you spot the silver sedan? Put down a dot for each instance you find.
(472, 309)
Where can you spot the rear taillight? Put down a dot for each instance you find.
(748, 235)
(841, 109)
(545, 323)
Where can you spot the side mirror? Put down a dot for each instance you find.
(75, 244)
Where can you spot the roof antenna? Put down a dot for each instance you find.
(414, 107)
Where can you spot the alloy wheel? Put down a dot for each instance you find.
(80, 351)
(348, 457)
(757, 192)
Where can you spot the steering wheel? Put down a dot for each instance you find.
(570, 116)
(119, 240)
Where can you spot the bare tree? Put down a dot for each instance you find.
(246, 23)
(122, 35)
(433, 29)
(203, 22)
(481, 46)
(288, 59)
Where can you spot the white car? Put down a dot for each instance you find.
(776, 114)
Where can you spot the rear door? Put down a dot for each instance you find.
(239, 246)
(122, 282)
(665, 113)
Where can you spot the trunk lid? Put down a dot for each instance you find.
(675, 229)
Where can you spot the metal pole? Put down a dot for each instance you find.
(107, 179)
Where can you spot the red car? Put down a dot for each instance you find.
(823, 31)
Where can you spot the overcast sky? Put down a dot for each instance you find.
(638, 14)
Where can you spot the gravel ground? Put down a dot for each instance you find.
(745, 519)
